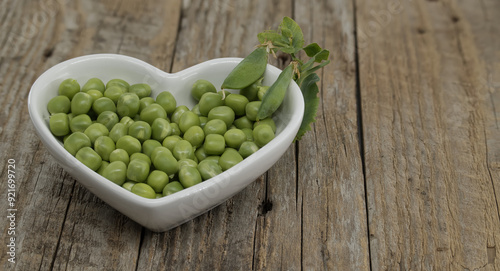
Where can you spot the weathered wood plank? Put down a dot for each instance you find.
(41, 202)
(431, 199)
(330, 171)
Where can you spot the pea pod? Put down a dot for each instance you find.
(275, 94)
(249, 70)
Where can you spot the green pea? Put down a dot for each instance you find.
(95, 94)
(224, 113)
(157, 179)
(170, 141)
(143, 190)
(152, 112)
(75, 141)
(103, 166)
(209, 169)
(108, 119)
(249, 133)
(195, 136)
(116, 172)
(89, 158)
(119, 83)
(183, 149)
(159, 151)
(103, 104)
(267, 121)
(172, 187)
(141, 90)
(234, 138)
(149, 145)
(196, 109)
(137, 117)
(215, 126)
(167, 101)
(201, 87)
(243, 122)
(128, 185)
(140, 156)
(175, 129)
(144, 102)
(160, 129)
(212, 158)
(247, 148)
(137, 170)
(127, 121)
(119, 155)
(165, 162)
(262, 134)
(69, 88)
(200, 153)
(249, 70)
(251, 92)
(189, 176)
(237, 102)
(229, 158)
(94, 83)
(130, 144)
(203, 121)
(187, 120)
(275, 94)
(262, 91)
(251, 110)
(140, 130)
(104, 145)
(208, 101)
(214, 144)
(114, 93)
(81, 103)
(71, 116)
(176, 115)
(96, 130)
(128, 105)
(80, 123)
(119, 130)
(185, 162)
(59, 104)
(59, 124)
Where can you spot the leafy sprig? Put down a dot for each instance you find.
(289, 39)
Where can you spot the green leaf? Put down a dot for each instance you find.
(305, 73)
(291, 30)
(312, 49)
(321, 55)
(270, 35)
(318, 57)
(310, 92)
(288, 49)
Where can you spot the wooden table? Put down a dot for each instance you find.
(401, 170)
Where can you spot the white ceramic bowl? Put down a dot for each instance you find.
(164, 213)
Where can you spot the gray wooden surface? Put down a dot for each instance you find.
(400, 172)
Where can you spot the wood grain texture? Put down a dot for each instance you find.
(330, 171)
(431, 197)
(401, 171)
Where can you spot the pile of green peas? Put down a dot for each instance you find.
(152, 146)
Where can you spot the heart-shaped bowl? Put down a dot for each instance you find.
(167, 212)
